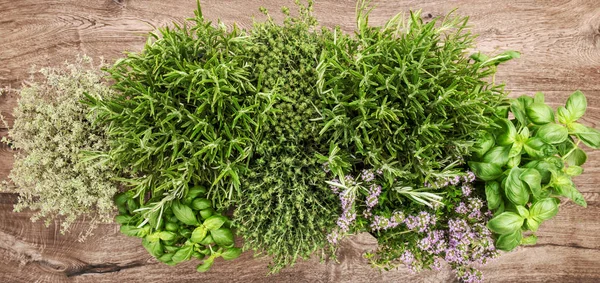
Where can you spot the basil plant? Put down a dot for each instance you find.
(528, 162)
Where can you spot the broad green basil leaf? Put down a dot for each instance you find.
(166, 257)
(132, 205)
(167, 236)
(483, 144)
(537, 148)
(525, 100)
(184, 253)
(171, 249)
(497, 155)
(231, 253)
(516, 149)
(508, 242)
(153, 248)
(500, 209)
(540, 113)
(154, 237)
(515, 189)
(518, 109)
(207, 240)
(201, 203)
(589, 136)
(574, 170)
(492, 194)
(123, 219)
(214, 222)
(196, 191)
(552, 133)
(184, 213)
(522, 211)
(198, 255)
(505, 223)
(531, 240)
(501, 111)
(131, 231)
(576, 104)
(222, 237)
(198, 234)
(532, 224)
(206, 213)
(577, 157)
(514, 161)
(486, 171)
(538, 98)
(508, 133)
(572, 193)
(564, 116)
(533, 179)
(205, 266)
(544, 209)
(154, 220)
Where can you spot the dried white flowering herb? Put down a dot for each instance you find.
(52, 129)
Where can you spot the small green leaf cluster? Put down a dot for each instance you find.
(528, 162)
(51, 132)
(182, 230)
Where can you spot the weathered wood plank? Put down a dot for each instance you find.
(560, 45)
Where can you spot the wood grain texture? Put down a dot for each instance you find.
(560, 45)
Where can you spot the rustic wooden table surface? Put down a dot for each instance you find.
(560, 45)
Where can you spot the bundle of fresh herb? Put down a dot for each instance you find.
(287, 209)
(522, 162)
(186, 113)
(402, 107)
(51, 131)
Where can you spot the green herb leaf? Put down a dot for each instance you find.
(166, 236)
(505, 223)
(205, 266)
(574, 170)
(531, 240)
(214, 222)
(231, 253)
(184, 253)
(222, 237)
(540, 113)
(508, 133)
(206, 213)
(533, 224)
(576, 104)
(533, 179)
(522, 211)
(515, 189)
(589, 136)
(552, 133)
(184, 213)
(564, 116)
(508, 242)
(497, 156)
(486, 171)
(576, 157)
(492, 194)
(154, 248)
(483, 144)
(199, 234)
(544, 209)
(201, 203)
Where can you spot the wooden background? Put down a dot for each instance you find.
(560, 45)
